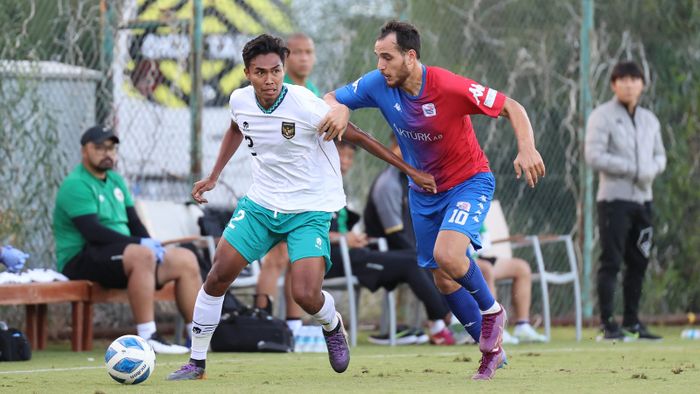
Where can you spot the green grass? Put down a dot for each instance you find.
(564, 365)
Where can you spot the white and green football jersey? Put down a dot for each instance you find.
(294, 169)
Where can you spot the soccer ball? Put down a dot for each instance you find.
(130, 359)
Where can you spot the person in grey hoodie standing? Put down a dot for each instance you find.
(623, 143)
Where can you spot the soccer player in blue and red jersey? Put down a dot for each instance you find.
(428, 109)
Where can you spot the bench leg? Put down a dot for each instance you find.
(87, 325)
(41, 326)
(30, 321)
(76, 339)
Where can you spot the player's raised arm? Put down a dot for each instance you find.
(528, 160)
(229, 145)
(358, 137)
(336, 120)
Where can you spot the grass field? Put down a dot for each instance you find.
(670, 366)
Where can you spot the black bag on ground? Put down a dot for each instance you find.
(246, 329)
(14, 346)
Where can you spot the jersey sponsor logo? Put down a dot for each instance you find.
(490, 98)
(477, 91)
(101, 198)
(118, 194)
(245, 126)
(288, 130)
(429, 110)
(417, 135)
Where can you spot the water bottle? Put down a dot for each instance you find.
(319, 342)
(690, 333)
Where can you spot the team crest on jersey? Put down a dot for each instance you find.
(429, 110)
(288, 130)
(245, 126)
(118, 194)
(464, 205)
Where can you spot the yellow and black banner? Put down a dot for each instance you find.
(158, 64)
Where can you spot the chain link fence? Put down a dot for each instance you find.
(67, 64)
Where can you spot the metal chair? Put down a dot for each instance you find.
(351, 284)
(174, 223)
(502, 247)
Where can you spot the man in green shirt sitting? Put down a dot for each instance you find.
(100, 238)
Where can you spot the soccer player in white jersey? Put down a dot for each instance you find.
(296, 186)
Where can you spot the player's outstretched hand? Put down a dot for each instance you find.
(200, 187)
(424, 180)
(335, 122)
(530, 163)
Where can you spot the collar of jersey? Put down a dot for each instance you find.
(88, 175)
(275, 104)
(422, 85)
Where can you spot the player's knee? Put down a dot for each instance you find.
(303, 295)
(184, 260)
(450, 261)
(139, 258)
(524, 269)
(219, 277)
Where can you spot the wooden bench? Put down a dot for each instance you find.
(82, 294)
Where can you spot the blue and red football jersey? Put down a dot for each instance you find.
(433, 128)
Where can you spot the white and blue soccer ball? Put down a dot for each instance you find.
(130, 359)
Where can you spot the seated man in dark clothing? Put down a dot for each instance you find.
(100, 238)
(375, 269)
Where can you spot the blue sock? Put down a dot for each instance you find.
(474, 282)
(466, 310)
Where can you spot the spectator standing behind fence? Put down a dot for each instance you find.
(623, 143)
(100, 238)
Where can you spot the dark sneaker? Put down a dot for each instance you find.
(404, 336)
(489, 363)
(641, 332)
(337, 344)
(610, 331)
(492, 331)
(188, 371)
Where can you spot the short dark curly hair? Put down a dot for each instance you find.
(262, 45)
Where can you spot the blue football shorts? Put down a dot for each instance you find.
(461, 208)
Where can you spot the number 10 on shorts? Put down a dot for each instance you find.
(458, 216)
